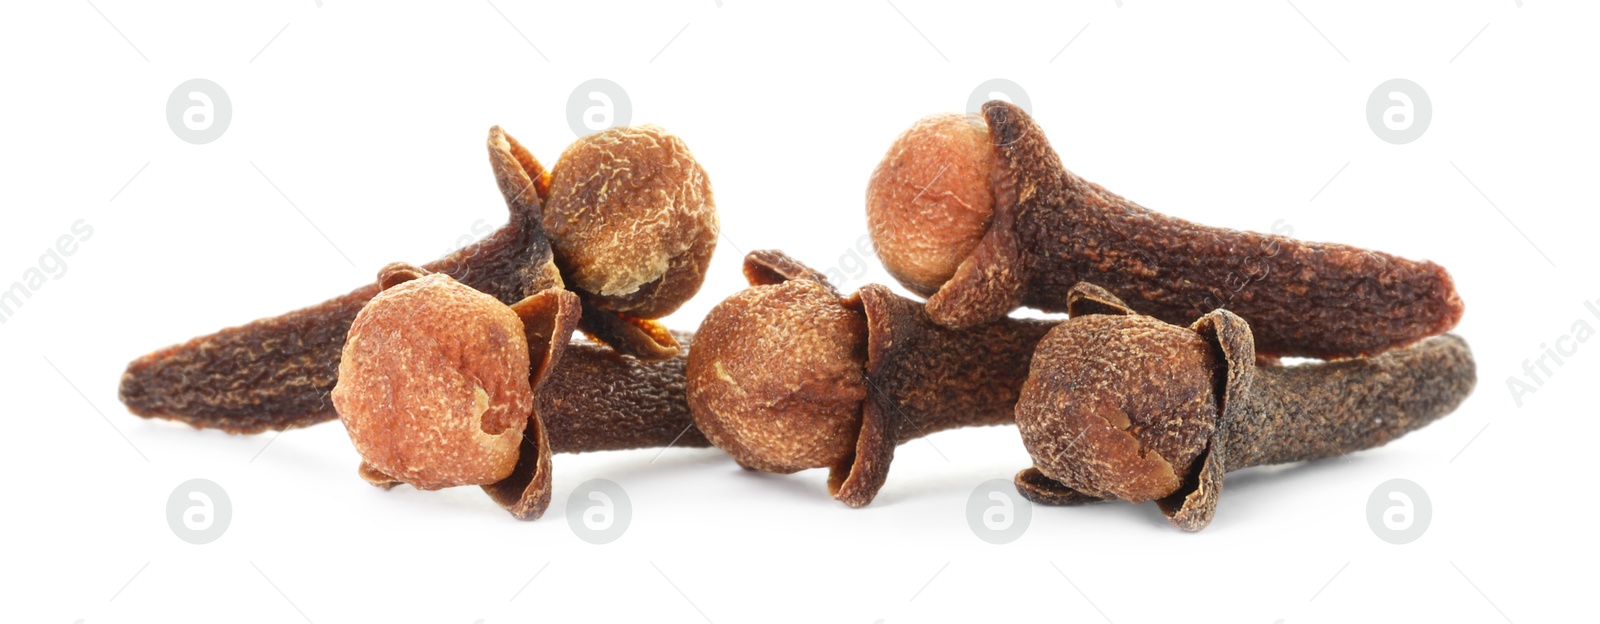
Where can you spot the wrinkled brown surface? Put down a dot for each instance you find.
(646, 178)
(591, 398)
(1052, 229)
(930, 378)
(776, 376)
(1311, 411)
(599, 400)
(923, 378)
(788, 376)
(856, 479)
(548, 319)
(276, 373)
(433, 386)
(525, 493)
(1263, 414)
(1119, 406)
(936, 176)
(1193, 506)
(765, 267)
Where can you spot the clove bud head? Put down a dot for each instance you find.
(776, 377)
(1124, 408)
(433, 384)
(632, 220)
(929, 201)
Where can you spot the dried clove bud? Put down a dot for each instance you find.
(1124, 406)
(438, 386)
(276, 373)
(632, 220)
(979, 215)
(433, 384)
(787, 375)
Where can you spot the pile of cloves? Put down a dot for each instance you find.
(1165, 374)
(464, 371)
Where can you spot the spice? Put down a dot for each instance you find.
(276, 373)
(439, 383)
(979, 215)
(433, 383)
(1124, 406)
(788, 375)
(601, 400)
(631, 218)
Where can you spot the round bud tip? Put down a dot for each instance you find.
(776, 377)
(632, 220)
(1119, 406)
(433, 384)
(929, 201)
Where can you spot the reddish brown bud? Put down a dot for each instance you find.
(433, 385)
(632, 220)
(935, 176)
(778, 375)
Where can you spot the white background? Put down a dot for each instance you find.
(370, 119)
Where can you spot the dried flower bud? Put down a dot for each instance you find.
(1125, 407)
(1042, 229)
(777, 377)
(929, 201)
(645, 178)
(433, 384)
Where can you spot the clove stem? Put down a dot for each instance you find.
(929, 378)
(277, 373)
(1317, 410)
(599, 400)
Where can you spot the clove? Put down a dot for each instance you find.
(978, 214)
(630, 225)
(441, 385)
(788, 375)
(1124, 406)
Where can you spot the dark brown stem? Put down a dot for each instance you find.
(1052, 229)
(595, 399)
(928, 378)
(599, 400)
(1312, 411)
(923, 378)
